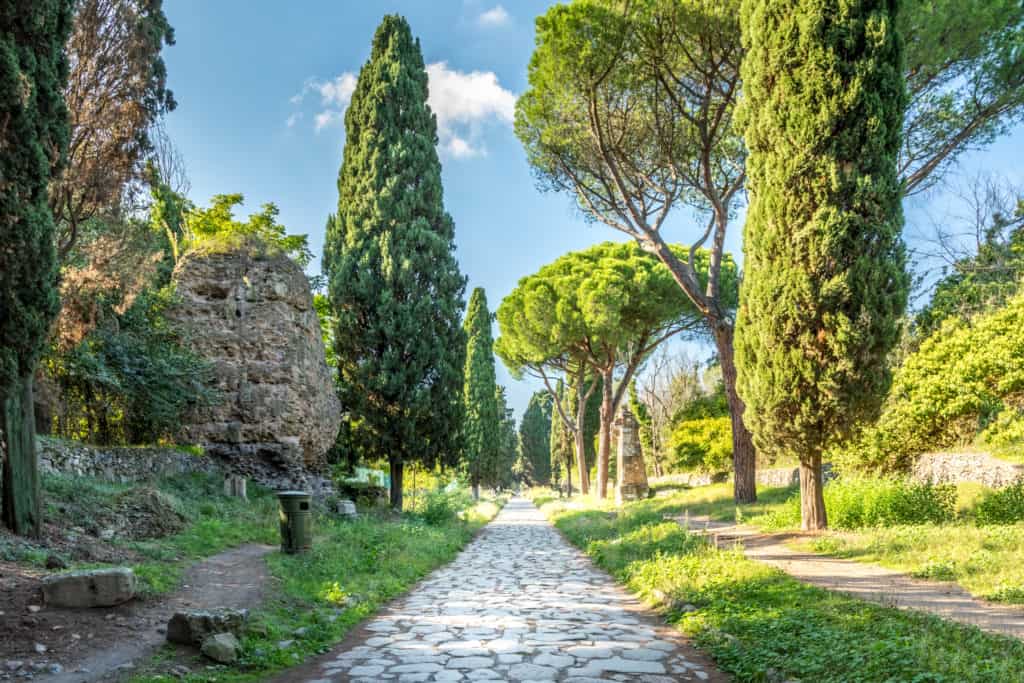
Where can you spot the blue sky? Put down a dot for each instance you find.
(260, 86)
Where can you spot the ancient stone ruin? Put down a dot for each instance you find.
(632, 477)
(251, 315)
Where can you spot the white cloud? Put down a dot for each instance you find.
(496, 16)
(326, 118)
(463, 103)
(337, 92)
(459, 148)
(293, 119)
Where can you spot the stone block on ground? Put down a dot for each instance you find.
(345, 508)
(90, 588)
(221, 647)
(192, 627)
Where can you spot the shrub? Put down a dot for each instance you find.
(1004, 506)
(964, 378)
(703, 444)
(855, 503)
(443, 506)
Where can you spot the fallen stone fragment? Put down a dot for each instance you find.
(191, 627)
(89, 588)
(221, 647)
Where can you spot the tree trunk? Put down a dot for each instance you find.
(20, 496)
(604, 444)
(568, 477)
(397, 470)
(744, 462)
(476, 490)
(812, 499)
(581, 449)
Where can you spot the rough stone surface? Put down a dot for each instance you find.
(345, 508)
(788, 476)
(251, 315)
(954, 468)
(519, 604)
(90, 588)
(118, 464)
(193, 627)
(221, 647)
(632, 477)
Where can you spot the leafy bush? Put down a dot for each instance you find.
(1004, 506)
(856, 503)
(701, 436)
(963, 378)
(443, 506)
(130, 380)
(703, 444)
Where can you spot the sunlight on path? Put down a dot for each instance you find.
(518, 604)
(862, 580)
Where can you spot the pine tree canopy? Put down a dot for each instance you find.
(394, 284)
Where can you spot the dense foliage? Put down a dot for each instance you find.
(966, 382)
(215, 228)
(595, 315)
(1005, 506)
(856, 503)
(482, 421)
(824, 278)
(130, 380)
(393, 281)
(535, 437)
(701, 438)
(33, 140)
(560, 444)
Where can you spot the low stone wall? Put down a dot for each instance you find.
(955, 468)
(688, 479)
(118, 464)
(126, 465)
(789, 476)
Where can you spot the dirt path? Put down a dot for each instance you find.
(865, 581)
(518, 604)
(232, 579)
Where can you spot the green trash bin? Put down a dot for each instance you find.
(296, 521)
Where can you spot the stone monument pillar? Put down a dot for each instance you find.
(632, 477)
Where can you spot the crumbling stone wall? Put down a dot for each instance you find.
(251, 315)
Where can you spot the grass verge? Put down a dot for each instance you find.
(983, 560)
(757, 622)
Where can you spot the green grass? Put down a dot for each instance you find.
(354, 569)
(214, 522)
(752, 618)
(985, 561)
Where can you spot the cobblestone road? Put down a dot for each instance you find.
(519, 604)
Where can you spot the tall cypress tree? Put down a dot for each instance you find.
(481, 427)
(561, 449)
(508, 443)
(535, 436)
(825, 281)
(394, 284)
(33, 140)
